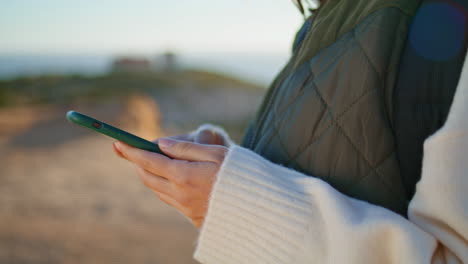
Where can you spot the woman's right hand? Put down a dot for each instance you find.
(185, 180)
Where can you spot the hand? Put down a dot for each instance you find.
(184, 182)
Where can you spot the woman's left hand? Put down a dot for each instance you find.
(184, 182)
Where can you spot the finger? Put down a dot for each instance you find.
(208, 136)
(154, 182)
(218, 139)
(117, 151)
(155, 163)
(170, 201)
(205, 137)
(192, 151)
(198, 222)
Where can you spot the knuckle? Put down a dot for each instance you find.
(170, 167)
(190, 212)
(218, 157)
(184, 200)
(180, 173)
(166, 168)
(146, 183)
(181, 179)
(145, 161)
(163, 198)
(197, 222)
(219, 154)
(157, 194)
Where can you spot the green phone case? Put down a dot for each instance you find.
(113, 132)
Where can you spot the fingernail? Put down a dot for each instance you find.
(117, 146)
(117, 150)
(166, 142)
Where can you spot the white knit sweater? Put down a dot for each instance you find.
(260, 212)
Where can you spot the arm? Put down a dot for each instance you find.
(260, 212)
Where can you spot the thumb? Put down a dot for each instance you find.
(208, 137)
(204, 137)
(190, 151)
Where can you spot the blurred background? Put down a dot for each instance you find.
(152, 67)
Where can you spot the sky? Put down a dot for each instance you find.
(147, 26)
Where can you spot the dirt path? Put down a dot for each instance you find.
(66, 198)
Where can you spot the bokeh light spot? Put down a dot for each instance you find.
(438, 30)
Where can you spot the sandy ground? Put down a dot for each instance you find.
(66, 198)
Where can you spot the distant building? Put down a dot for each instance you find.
(131, 65)
(166, 62)
(169, 62)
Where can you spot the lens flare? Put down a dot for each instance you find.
(438, 31)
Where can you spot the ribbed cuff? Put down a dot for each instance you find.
(258, 213)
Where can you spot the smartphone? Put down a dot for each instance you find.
(113, 132)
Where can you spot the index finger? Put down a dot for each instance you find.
(153, 162)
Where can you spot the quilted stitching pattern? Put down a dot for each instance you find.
(332, 124)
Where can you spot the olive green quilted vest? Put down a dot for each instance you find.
(329, 112)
